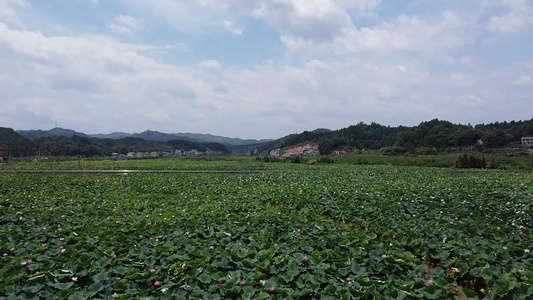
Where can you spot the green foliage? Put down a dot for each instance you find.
(393, 151)
(436, 134)
(427, 151)
(466, 161)
(295, 159)
(17, 144)
(89, 147)
(342, 232)
(325, 160)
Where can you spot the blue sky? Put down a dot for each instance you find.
(265, 68)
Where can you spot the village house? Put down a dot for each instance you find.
(527, 140)
(338, 151)
(156, 154)
(4, 155)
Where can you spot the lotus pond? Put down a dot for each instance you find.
(333, 232)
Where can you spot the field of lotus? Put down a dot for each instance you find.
(328, 232)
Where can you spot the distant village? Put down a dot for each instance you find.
(174, 153)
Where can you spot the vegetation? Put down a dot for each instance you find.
(427, 138)
(89, 147)
(314, 232)
(466, 161)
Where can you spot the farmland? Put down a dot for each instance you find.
(302, 232)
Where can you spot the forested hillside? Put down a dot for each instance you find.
(87, 146)
(436, 134)
(427, 138)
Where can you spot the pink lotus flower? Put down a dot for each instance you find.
(43, 245)
(385, 256)
(117, 278)
(211, 247)
(5, 254)
(114, 295)
(305, 257)
(429, 281)
(152, 270)
(219, 284)
(272, 289)
(157, 283)
(242, 282)
(348, 279)
(276, 244)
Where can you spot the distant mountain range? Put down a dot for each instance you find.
(148, 135)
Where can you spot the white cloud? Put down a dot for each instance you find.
(405, 35)
(458, 77)
(210, 64)
(518, 18)
(473, 101)
(393, 70)
(125, 24)
(8, 10)
(524, 80)
(360, 5)
(315, 20)
(232, 28)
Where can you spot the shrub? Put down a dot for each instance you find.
(325, 160)
(466, 161)
(426, 151)
(393, 151)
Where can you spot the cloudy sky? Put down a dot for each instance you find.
(262, 68)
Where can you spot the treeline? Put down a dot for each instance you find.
(86, 146)
(428, 137)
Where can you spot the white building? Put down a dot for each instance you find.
(527, 141)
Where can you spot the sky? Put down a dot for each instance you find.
(262, 68)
